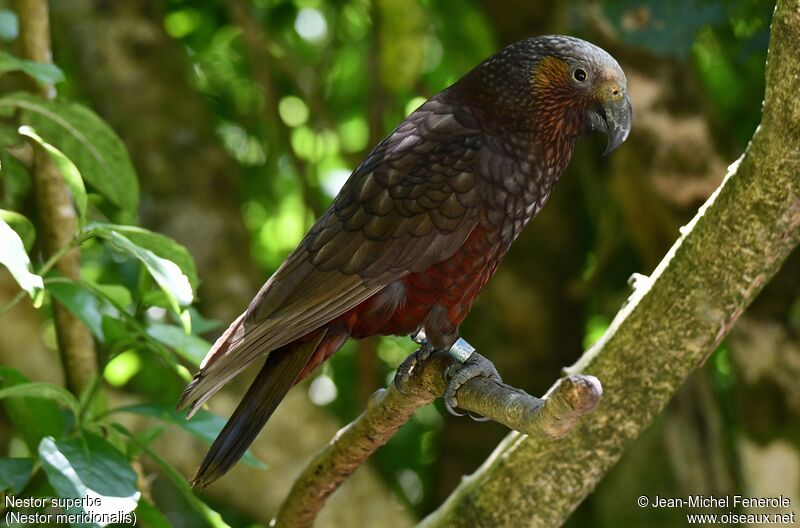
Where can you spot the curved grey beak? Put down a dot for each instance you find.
(613, 118)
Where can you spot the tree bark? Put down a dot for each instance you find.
(568, 401)
(671, 323)
(57, 220)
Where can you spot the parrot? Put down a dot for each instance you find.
(418, 228)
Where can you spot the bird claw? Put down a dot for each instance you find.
(406, 369)
(478, 418)
(457, 374)
(451, 406)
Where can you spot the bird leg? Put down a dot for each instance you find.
(406, 368)
(457, 374)
(468, 365)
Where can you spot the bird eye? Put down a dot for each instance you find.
(579, 74)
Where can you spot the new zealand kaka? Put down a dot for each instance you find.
(419, 227)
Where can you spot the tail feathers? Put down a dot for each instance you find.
(193, 395)
(276, 377)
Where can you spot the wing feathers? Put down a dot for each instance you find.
(409, 205)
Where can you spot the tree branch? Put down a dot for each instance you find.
(57, 222)
(673, 321)
(388, 409)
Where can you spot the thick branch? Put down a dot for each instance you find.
(389, 409)
(56, 214)
(672, 322)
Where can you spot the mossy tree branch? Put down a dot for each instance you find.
(388, 409)
(674, 320)
(56, 222)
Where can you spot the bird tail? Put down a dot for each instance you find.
(277, 376)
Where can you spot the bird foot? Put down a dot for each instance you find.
(406, 368)
(457, 374)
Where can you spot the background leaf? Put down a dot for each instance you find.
(34, 417)
(85, 139)
(15, 473)
(44, 73)
(68, 170)
(42, 390)
(90, 466)
(213, 518)
(190, 347)
(89, 307)
(203, 424)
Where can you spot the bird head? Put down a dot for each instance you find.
(562, 87)
(580, 87)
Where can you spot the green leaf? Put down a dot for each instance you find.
(15, 178)
(15, 473)
(161, 245)
(89, 466)
(149, 515)
(89, 307)
(190, 347)
(213, 518)
(34, 417)
(42, 390)
(203, 424)
(47, 74)
(116, 293)
(200, 324)
(21, 225)
(14, 257)
(67, 169)
(166, 273)
(85, 139)
(116, 333)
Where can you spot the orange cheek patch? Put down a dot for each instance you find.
(551, 72)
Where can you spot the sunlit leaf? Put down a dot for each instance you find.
(34, 417)
(166, 273)
(14, 257)
(15, 473)
(85, 139)
(89, 466)
(21, 225)
(161, 245)
(68, 170)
